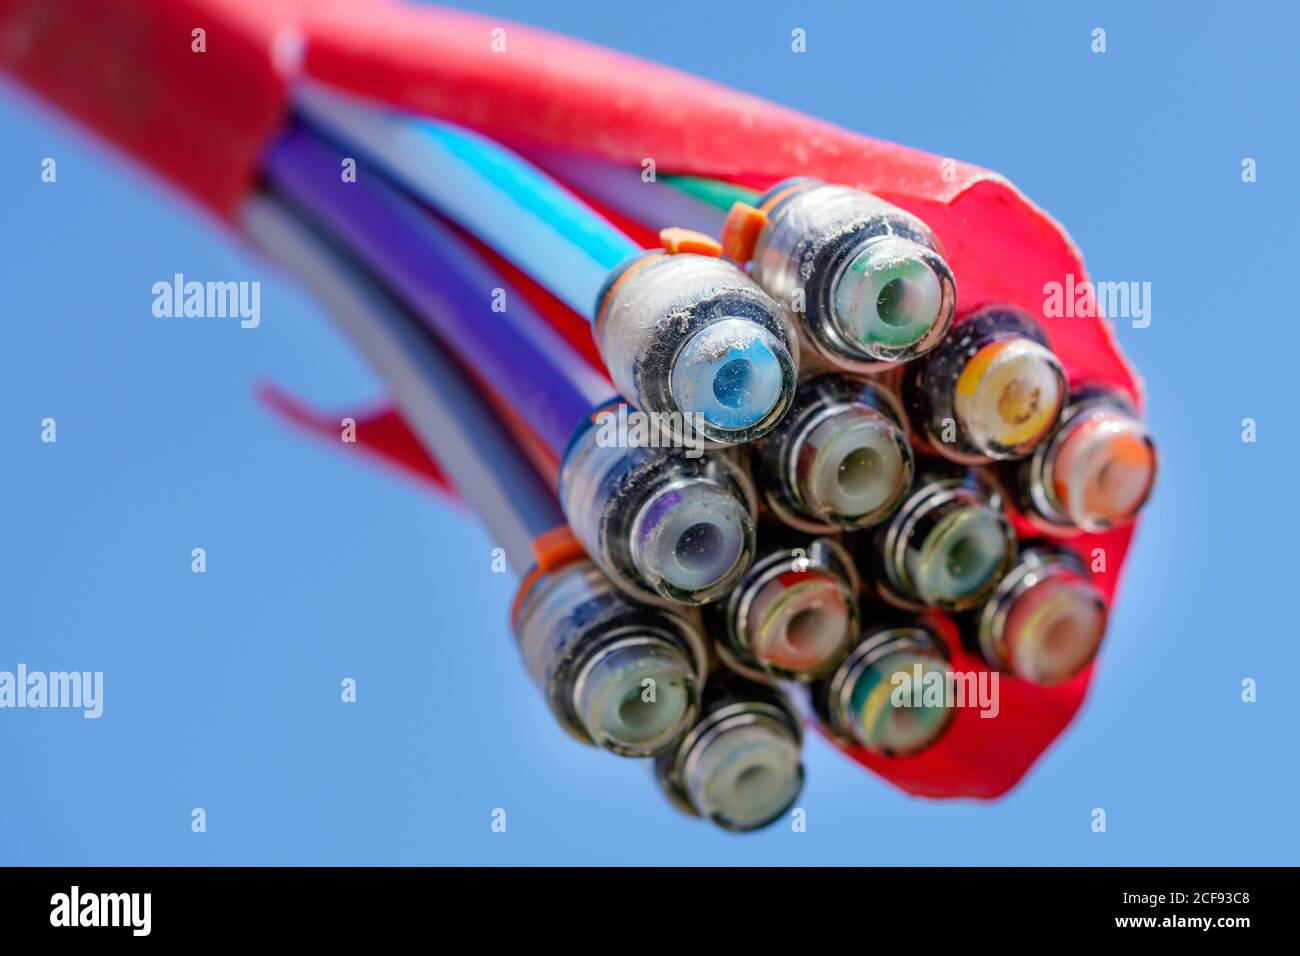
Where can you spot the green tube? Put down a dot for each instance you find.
(716, 192)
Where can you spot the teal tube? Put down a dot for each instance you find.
(490, 191)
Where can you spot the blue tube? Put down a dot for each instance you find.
(490, 191)
(450, 287)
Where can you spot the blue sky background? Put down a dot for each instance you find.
(222, 689)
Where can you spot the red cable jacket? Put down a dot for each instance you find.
(557, 91)
(128, 70)
(125, 68)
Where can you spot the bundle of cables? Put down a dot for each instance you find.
(752, 459)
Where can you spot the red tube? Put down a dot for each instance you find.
(131, 71)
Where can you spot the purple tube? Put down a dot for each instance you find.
(653, 204)
(424, 263)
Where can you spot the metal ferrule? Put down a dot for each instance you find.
(985, 631)
(693, 335)
(665, 527)
(758, 627)
(731, 704)
(814, 233)
(570, 618)
(896, 549)
(929, 387)
(1030, 481)
(832, 698)
(804, 465)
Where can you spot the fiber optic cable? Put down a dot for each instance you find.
(622, 675)
(1093, 472)
(993, 390)
(856, 703)
(740, 766)
(1045, 621)
(946, 547)
(662, 524)
(840, 459)
(691, 335)
(689, 332)
(794, 614)
(1089, 474)
(587, 647)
